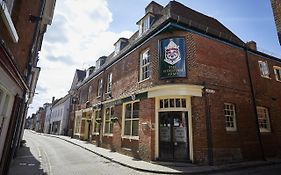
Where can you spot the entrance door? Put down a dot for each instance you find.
(173, 136)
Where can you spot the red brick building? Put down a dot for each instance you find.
(182, 88)
(23, 24)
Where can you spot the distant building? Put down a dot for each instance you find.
(48, 112)
(22, 28)
(276, 7)
(60, 115)
(182, 88)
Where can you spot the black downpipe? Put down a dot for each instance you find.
(254, 103)
(209, 129)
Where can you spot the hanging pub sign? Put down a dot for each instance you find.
(172, 58)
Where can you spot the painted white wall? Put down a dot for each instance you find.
(60, 112)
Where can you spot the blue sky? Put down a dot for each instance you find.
(82, 32)
(248, 19)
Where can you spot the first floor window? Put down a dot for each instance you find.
(97, 121)
(99, 88)
(108, 124)
(263, 118)
(264, 69)
(144, 65)
(230, 118)
(131, 119)
(277, 71)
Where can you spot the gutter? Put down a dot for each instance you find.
(254, 104)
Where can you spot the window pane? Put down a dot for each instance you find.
(172, 103)
(127, 129)
(178, 103)
(183, 102)
(106, 127)
(128, 111)
(161, 104)
(136, 110)
(166, 103)
(110, 127)
(135, 128)
(107, 113)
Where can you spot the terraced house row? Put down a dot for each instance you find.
(182, 88)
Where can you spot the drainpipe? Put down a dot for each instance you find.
(254, 103)
(208, 128)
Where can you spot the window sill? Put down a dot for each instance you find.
(131, 137)
(95, 133)
(265, 131)
(231, 130)
(267, 77)
(108, 135)
(141, 81)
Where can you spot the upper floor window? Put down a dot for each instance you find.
(9, 4)
(144, 65)
(264, 69)
(230, 117)
(108, 124)
(131, 119)
(90, 92)
(263, 118)
(99, 88)
(277, 71)
(109, 83)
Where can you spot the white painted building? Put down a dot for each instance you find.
(47, 125)
(60, 116)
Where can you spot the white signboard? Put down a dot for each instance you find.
(180, 134)
(165, 135)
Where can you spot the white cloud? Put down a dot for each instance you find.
(77, 37)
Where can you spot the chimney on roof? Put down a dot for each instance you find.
(153, 8)
(53, 99)
(252, 45)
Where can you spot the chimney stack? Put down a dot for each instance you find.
(252, 45)
(53, 99)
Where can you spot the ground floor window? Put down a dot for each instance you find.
(131, 119)
(97, 121)
(230, 117)
(108, 124)
(172, 103)
(77, 124)
(263, 118)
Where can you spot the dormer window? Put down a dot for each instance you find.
(145, 23)
(120, 44)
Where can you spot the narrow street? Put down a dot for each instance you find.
(52, 156)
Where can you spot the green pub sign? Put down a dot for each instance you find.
(172, 58)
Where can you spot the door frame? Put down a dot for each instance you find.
(189, 120)
(172, 135)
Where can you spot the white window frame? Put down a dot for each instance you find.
(99, 91)
(145, 55)
(277, 72)
(109, 83)
(171, 103)
(230, 112)
(263, 114)
(78, 122)
(132, 119)
(108, 121)
(264, 69)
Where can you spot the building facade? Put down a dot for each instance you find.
(182, 88)
(23, 25)
(60, 116)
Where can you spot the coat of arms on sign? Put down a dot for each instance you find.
(172, 53)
